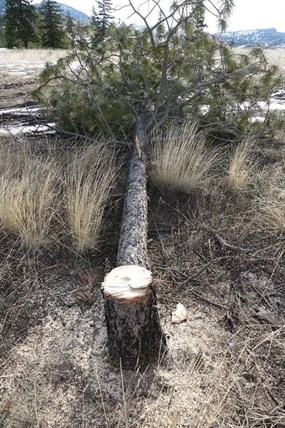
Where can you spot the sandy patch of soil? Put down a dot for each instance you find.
(14, 93)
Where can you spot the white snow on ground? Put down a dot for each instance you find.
(27, 129)
(15, 128)
(21, 111)
(21, 128)
(276, 104)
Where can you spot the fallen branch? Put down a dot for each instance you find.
(224, 244)
(203, 268)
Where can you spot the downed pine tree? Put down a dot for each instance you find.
(134, 333)
(165, 73)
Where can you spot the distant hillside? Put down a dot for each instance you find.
(2, 5)
(66, 10)
(269, 37)
(74, 13)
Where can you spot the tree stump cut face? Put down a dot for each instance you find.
(127, 282)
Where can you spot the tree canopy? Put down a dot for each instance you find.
(51, 24)
(19, 21)
(100, 19)
(171, 70)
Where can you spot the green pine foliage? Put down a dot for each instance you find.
(165, 73)
(19, 22)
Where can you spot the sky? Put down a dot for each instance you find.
(247, 14)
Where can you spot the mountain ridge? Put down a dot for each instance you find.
(66, 10)
(268, 37)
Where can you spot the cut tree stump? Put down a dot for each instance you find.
(134, 333)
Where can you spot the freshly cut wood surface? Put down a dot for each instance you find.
(127, 282)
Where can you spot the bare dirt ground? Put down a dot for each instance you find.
(19, 71)
(225, 365)
(17, 92)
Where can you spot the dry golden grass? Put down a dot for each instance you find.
(31, 55)
(34, 191)
(182, 159)
(26, 62)
(242, 166)
(88, 179)
(27, 195)
(271, 198)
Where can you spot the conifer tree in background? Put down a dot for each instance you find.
(69, 25)
(51, 23)
(100, 20)
(2, 35)
(19, 21)
(70, 30)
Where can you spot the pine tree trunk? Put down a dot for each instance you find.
(134, 333)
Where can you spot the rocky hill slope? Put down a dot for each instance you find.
(268, 37)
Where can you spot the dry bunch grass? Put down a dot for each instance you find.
(36, 194)
(242, 166)
(88, 180)
(271, 199)
(182, 159)
(28, 193)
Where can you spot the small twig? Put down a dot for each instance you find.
(200, 255)
(204, 267)
(262, 297)
(224, 244)
(169, 268)
(204, 299)
(159, 237)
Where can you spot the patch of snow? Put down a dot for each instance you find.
(22, 111)
(255, 119)
(27, 129)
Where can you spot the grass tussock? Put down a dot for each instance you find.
(28, 193)
(41, 201)
(182, 159)
(88, 181)
(242, 166)
(271, 200)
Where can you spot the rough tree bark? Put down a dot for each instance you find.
(134, 332)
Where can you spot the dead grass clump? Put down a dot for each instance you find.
(88, 181)
(271, 201)
(182, 159)
(31, 183)
(28, 202)
(32, 55)
(242, 166)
